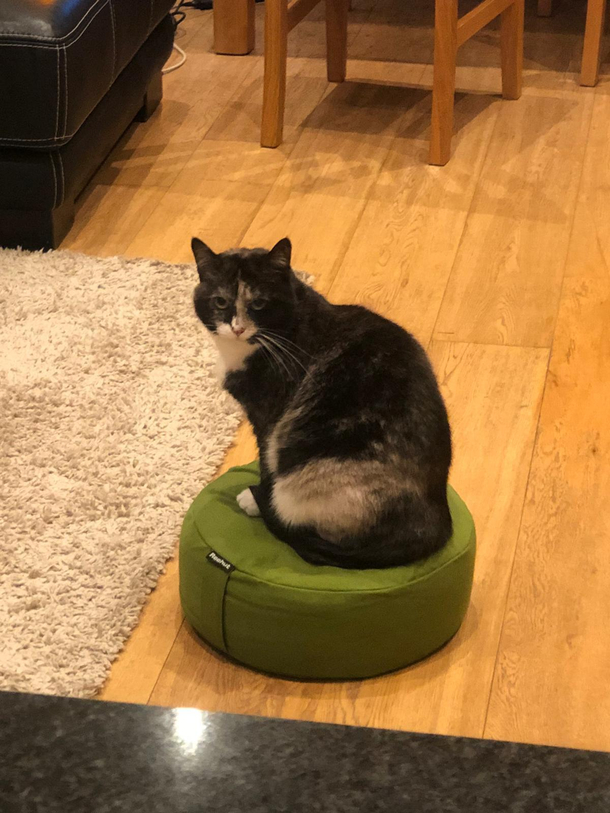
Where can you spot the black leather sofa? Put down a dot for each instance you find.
(73, 75)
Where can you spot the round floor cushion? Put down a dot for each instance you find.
(251, 596)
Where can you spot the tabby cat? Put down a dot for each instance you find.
(354, 441)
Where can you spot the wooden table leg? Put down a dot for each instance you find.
(511, 44)
(594, 29)
(274, 88)
(336, 39)
(233, 26)
(443, 91)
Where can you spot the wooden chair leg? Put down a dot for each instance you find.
(511, 45)
(545, 8)
(274, 83)
(233, 26)
(443, 91)
(594, 29)
(336, 39)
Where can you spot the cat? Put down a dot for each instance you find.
(353, 434)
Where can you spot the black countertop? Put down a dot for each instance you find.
(58, 754)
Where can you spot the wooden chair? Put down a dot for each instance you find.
(591, 52)
(450, 31)
(594, 30)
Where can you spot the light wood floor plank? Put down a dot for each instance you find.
(589, 253)
(108, 218)
(402, 252)
(217, 211)
(551, 683)
(231, 149)
(504, 287)
(321, 192)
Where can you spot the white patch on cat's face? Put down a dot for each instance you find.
(232, 330)
(241, 320)
(231, 340)
(241, 326)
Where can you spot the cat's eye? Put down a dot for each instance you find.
(220, 302)
(258, 304)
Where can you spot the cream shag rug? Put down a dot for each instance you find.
(111, 421)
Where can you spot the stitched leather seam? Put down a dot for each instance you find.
(58, 92)
(52, 139)
(55, 39)
(47, 138)
(113, 26)
(65, 50)
(54, 42)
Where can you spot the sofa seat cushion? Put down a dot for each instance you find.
(58, 58)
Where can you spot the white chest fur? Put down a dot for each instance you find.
(232, 354)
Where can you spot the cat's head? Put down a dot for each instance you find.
(244, 291)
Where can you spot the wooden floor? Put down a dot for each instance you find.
(499, 263)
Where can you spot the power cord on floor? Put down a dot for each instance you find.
(178, 64)
(177, 17)
(177, 14)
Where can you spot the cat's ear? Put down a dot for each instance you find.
(280, 254)
(204, 257)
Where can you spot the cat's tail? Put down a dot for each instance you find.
(411, 531)
(377, 550)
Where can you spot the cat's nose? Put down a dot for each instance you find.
(238, 330)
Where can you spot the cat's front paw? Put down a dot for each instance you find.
(247, 503)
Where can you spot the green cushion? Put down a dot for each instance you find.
(251, 596)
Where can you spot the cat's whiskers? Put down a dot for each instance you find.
(272, 349)
(274, 361)
(283, 349)
(286, 340)
(286, 357)
(274, 355)
(267, 354)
